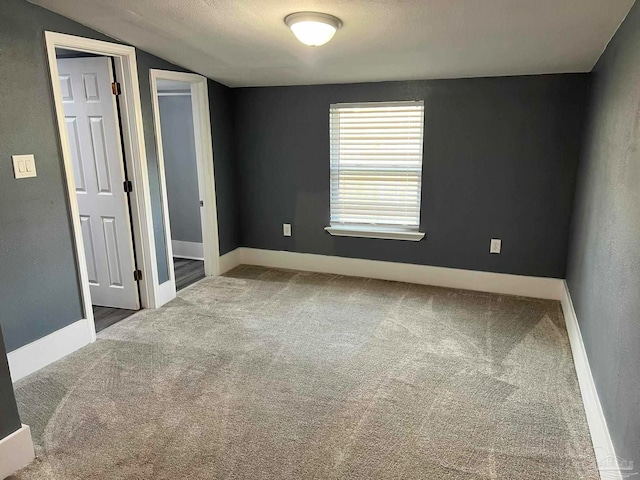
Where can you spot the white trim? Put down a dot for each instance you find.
(16, 451)
(190, 250)
(133, 139)
(167, 290)
(602, 444)
(174, 94)
(230, 260)
(375, 233)
(140, 198)
(537, 287)
(206, 178)
(40, 353)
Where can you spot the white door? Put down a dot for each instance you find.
(94, 137)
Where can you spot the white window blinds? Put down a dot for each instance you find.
(376, 164)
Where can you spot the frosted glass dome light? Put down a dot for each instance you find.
(312, 28)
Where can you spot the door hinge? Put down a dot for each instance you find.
(202, 203)
(128, 186)
(115, 88)
(137, 275)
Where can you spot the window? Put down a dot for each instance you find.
(376, 169)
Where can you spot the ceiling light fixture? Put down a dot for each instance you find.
(312, 28)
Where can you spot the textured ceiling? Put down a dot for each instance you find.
(246, 43)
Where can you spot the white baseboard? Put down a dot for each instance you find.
(16, 451)
(35, 355)
(537, 287)
(190, 250)
(230, 260)
(604, 449)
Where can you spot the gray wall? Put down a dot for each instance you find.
(39, 290)
(181, 168)
(604, 262)
(221, 101)
(9, 418)
(500, 159)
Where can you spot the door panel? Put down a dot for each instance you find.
(113, 256)
(74, 144)
(98, 167)
(100, 154)
(89, 250)
(65, 85)
(91, 89)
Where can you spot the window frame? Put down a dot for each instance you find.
(387, 232)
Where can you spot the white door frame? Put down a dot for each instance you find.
(206, 179)
(124, 58)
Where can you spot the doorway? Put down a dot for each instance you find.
(122, 233)
(89, 96)
(181, 173)
(156, 284)
(185, 160)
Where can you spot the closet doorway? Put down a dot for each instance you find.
(185, 161)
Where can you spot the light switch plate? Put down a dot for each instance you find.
(286, 229)
(24, 166)
(496, 245)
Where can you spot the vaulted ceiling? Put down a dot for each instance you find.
(246, 43)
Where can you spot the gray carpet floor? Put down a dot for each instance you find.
(270, 374)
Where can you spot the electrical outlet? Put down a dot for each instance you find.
(286, 229)
(496, 245)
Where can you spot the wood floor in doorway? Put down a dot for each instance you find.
(187, 271)
(106, 316)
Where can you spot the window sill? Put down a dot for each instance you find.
(375, 233)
